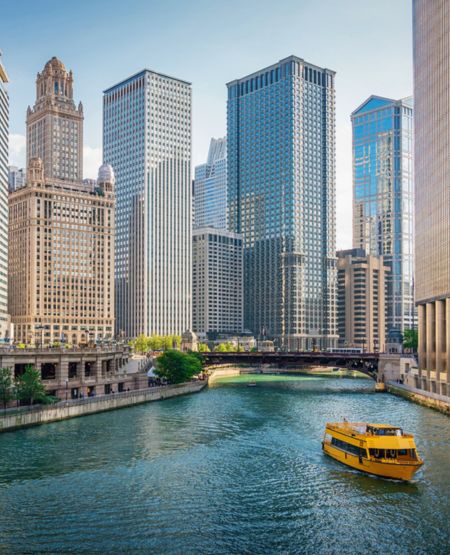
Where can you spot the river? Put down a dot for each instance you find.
(232, 469)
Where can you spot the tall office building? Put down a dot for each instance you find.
(361, 306)
(281, 198)
(55, 125)
(383, 197)
(210, 188)
(16, 178)
(147, 140)
(4, 150)
(61, 244)
(217, 267)
(431, 36)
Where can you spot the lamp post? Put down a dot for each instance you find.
(67, 385)
(40, 327)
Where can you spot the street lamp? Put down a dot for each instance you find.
(67, 385)
(40, 327)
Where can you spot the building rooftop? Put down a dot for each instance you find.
(139, 74)
(275, 65)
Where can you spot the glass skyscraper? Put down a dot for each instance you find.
(383, 198)
(4, 138)
(281, 198)
(210, 188)
(147, 141)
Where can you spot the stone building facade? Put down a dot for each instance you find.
(361, 300)
(431, 40)
(61, 245)
(55, 125)
(75, 373)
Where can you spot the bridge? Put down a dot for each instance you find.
(366, 363)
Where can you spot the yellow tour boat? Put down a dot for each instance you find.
(378, 449)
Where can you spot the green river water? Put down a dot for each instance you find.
(233, 469)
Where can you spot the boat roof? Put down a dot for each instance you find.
(352, 424)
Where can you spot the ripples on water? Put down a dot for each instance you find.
(230, 470)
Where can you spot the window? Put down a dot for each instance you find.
(348, 447)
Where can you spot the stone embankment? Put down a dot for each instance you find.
(426, 399)
(222, 372)
(13, 419)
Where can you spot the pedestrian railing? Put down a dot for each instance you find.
(91, 400)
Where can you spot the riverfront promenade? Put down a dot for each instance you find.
(426, 399)
(23, 417)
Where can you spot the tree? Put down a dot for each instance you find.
(29, 386)
(203, 348)
(177, 367)
(155, 342)
(227, 347)
(6, 386)
(141, 344)
(176, 341)
(410, 339)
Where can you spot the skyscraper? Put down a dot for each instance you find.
(61, 232)
(147, 140)
(55, 125)
(383, 197)
(4, 138)
(431, 37)
(216, 281)
(281, 198)
(361, 300)
(16, 178)
(210, 188)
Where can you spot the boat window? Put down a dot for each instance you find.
(348, 447)
(384, 431)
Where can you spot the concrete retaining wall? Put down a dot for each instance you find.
(427, 399)
(14, 419)
(222, 372)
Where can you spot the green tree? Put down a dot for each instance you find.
(166, 342)
(6, 386)
(410, 339)
(29, 386)
(155, 342)
(141, 344)
(227, 347)
(203, 348)
(176, 341)
(177, 367)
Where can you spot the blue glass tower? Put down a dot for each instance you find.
(383, 197)
(281, 198)
(210, 188)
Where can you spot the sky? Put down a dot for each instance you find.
(209, 43)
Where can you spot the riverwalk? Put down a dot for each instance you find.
(424, 398)
(23, 417)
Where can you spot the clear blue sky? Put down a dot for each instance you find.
(207, 42)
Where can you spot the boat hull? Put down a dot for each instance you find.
(393, 470)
